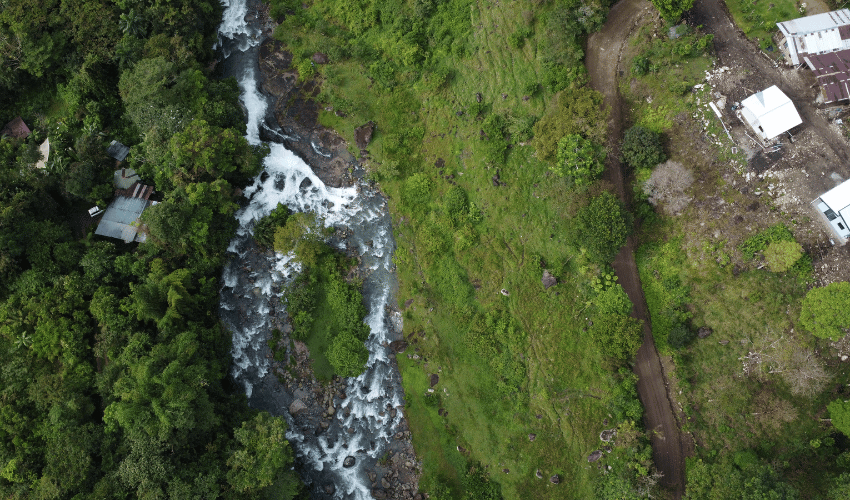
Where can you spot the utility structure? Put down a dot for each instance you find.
(834, 206)
(769, 113)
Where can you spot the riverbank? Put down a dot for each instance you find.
(350, 436)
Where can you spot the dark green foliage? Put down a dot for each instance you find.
(680, 336)
(642, 148)
(494, 338)
(518, 37)
(479, 486)
(672, 10)
(745, 476)
(826, 311)
(265, 228)
(602, 227)
(618, 336)
(640, 65)
(625, 404)
(761, 240)
(322, 287)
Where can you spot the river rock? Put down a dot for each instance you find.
(349, 462)
(363, 134)
(331, 409)
(555, 479)
(297, 407)
(379, 493)
(398, 346)
(330, 488)
(548, 280)
(384, 483)
(373, 477)
(607, 435)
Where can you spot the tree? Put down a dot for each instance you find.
(672, 10)
(782, 255)
(839, 412)
(602, 227)
(578, 111)
(642, 148)
(301, 234)
(347, 355)
(826, 311)
(579, 159)
(263, 454)
(667, 185)
(618, 336)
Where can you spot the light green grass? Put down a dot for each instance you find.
(757, 19)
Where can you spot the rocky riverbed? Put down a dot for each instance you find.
(350, 436)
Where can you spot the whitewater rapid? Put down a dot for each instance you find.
(252, 281)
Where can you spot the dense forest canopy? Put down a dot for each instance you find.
(114, 365)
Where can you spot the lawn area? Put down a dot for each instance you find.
(522, 385)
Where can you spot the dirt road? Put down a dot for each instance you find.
(603, 57)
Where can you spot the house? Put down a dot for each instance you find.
(818, 34)
(16, 129)
(835, 207)
(121, 219)
(769, 113)
(832, 71)
(117, 150)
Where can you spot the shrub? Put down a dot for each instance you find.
(306, 69)
(782, 255)
(666, 186)
(680, 336)
(265, 228)
(603, 226)
(826, 311)
(642, 148)
(579, 159)
(640, 65)
(760, 241)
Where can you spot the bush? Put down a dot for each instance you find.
(782, 255)
(680, 336)
(642, 148)
(579, 159)
(265, 228)
(826, 311)
(760, 241)
(603, 226)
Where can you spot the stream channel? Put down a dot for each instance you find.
(251, 306)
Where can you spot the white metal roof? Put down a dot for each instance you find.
(837, 198)
(817, 22)
(770, 112)
(815, 34)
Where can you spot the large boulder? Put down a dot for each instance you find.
(297, 407)
(548, 280)
(363, 134)
(379, 493)
(434, 379)
(596, 455)
(349, 462)
(319, 58)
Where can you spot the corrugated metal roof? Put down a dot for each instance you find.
(16, 128)
(770, 112)
(121, 218)
(833, 72)
(117, 150)
(817, 22)
(124, 178)
(837, 198)
(816, 34)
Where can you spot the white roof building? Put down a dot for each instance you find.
(769, 113)
(835, 206)
(816, 34)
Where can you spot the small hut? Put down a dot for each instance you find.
(16, 129)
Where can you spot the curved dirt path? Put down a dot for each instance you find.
(603, 58)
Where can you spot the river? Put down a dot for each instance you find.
(363, 427)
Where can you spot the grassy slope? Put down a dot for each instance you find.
(567, 380)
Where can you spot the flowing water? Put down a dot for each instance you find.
(252, 281)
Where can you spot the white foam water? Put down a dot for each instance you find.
(252, 280)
